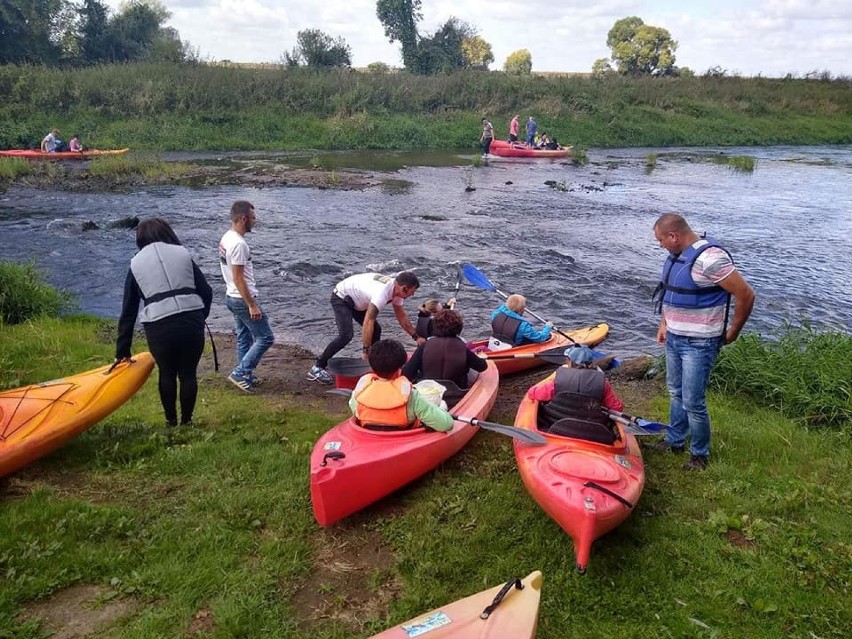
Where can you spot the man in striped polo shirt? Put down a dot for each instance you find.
(697, 283)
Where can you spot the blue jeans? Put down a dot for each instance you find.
(254, 337)
(689, 361)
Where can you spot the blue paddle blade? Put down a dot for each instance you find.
(474, 276)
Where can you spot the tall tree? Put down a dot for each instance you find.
(400, 18)
(641, 49)
(32, 30)
(318, 49)
(477, 53)
(518, 63)
(94, 36)
(133, 31)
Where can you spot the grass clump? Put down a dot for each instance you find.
(11, 168)
(744, 163)
(114, 166)
(651, 160)
(804, 374)
(579, 156)
(25, 295)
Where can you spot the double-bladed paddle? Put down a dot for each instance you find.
(636, 425)
(557, 356)
(521, 434)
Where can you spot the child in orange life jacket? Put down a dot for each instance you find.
(387, 400)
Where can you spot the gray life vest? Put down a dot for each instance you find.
(166, 279)
(505, 328)
(575, 410)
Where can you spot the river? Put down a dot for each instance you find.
(581, 250)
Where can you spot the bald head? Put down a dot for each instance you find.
(672, 223)
(673, 232)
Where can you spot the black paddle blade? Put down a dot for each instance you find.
(526, 436)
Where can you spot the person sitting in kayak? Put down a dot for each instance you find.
(427, 311)
(386, 400)
(74, 144)
(445, 356)
(51, 142)
(572, 400)
(508, 324)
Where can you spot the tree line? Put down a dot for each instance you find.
(86, 32)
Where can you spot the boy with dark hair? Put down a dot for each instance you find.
(386, 400)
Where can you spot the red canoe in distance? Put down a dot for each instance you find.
(504, 149)
(352, 467)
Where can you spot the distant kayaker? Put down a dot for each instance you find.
(575, 397)
(254, 336)
(387, 400)
(359, 298)
(487, 136)
(694, 298)
(532, 129)
(444, 355)
(509, 326)
(51, 142)
(176, 298)
(74, 144)
(514, 127)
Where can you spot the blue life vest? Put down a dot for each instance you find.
(677, 288)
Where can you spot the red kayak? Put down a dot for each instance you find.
(588, 488)
(35, 154)
(504, 149)
(352, 467)
(590, 336)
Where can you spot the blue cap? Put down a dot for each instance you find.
(580, 355)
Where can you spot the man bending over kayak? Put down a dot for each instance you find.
(386, 400)
(359, 298)
(508, 324)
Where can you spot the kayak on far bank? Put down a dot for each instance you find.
(35, 154)
(504, 149)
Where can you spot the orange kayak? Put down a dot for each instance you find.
(504, 149)
(352, 467)
(586, 487)
(36, 420)
(513, 616)
(590, 336)
(36, 154)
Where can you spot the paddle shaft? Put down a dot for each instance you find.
(641, 423)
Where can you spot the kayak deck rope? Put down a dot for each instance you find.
(607, 491)
(515, 582)
(51, 401)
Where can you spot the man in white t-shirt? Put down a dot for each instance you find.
(254, 336)
(696, 286)
(51, 142)
(359, 298)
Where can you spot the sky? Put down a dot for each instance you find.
(748, 37)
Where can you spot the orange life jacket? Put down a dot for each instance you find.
(383, 402)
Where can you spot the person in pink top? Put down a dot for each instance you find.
(514, 127)
(579, 360)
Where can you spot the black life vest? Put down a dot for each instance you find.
(424, 324)
(505, 328)
(445, 358)
(575, 410)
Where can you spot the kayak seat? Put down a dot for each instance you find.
(582, 429)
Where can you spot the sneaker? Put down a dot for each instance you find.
(317, 374)
(256, 381)
(663, 446)
(696, 462)
(241, 382)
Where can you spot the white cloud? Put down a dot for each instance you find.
(772, 37)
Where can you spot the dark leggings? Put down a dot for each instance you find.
(176, 343)
(344, 314)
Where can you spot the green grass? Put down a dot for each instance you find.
(24, 294)
(145, 165)
(202, 107)
(219, 518)
(745, 163)
(11, 168)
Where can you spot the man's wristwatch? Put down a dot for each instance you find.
(366, 349)
(415, 336)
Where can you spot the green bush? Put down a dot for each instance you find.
(805, 374)
(24, 294)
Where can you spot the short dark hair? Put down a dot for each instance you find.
(387, 356)
(407, 278)
(155, 229)
(447, 323)
(672, 223)
(240, 208)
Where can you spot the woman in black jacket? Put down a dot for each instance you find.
(176, 298)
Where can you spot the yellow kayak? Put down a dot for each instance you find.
(509, 611)
(36, 420)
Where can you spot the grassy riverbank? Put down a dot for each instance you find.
(167, 107)
(209, 530)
